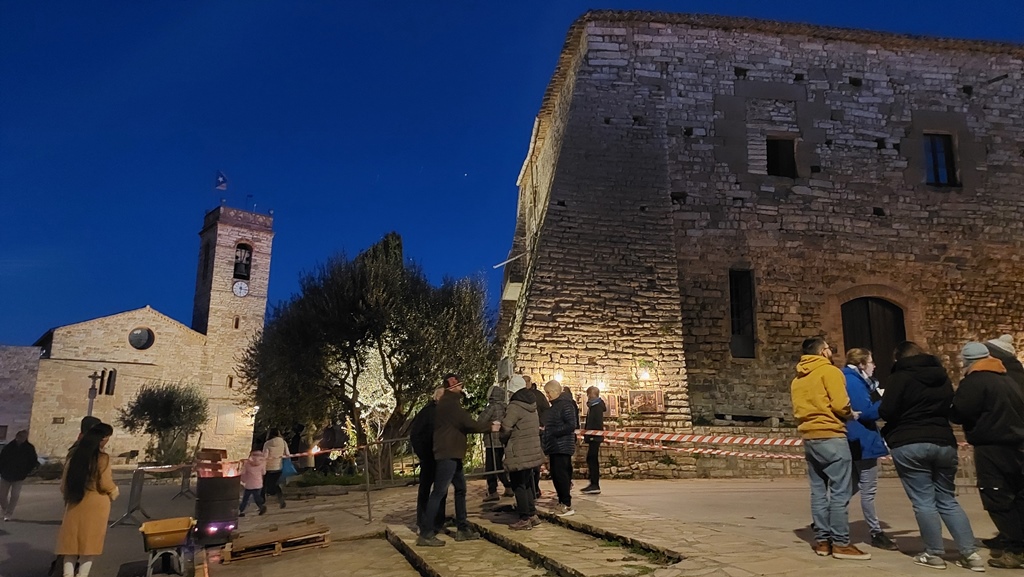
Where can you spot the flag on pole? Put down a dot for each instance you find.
(221, 183)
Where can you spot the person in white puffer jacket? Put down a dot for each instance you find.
(275, 449)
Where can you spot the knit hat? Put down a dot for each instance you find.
(973, 351)
(1004, 342)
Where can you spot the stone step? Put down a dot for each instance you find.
(479, 558)
(568, 551)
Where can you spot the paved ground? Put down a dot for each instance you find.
(724, 528)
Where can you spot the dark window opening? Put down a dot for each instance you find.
(231, 382)
(238, 321)
(815, 169)
(639, 121)
(111, 382)
(856, 82)
(740, 72)
(782, 157)
(798, 77)
(968, 90)
(741, 308)
(880, 143)
(940, 160)
(687, 131)
(243, 261)
(878, 211)
(3, 432)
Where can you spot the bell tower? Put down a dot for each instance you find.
(229, 307)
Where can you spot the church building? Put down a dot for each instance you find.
(46, 387)
(702, 193)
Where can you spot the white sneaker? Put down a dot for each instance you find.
(564, 510)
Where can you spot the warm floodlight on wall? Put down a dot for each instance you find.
(643, 374)
(559, 375)
(601, 386)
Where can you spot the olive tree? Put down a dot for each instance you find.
(169, 413)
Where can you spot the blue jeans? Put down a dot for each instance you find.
(866, 483)
(449, 472)
(830, 471)
(927, 472)
(256, 494)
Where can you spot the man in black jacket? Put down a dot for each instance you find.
(595, 422)
(559, 442)
(17, 460)
(990, 406)
(451, 425)
(421, 437)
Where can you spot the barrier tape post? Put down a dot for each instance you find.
(134, 499)
(366, 471)
(186, 484)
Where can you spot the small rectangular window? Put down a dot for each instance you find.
(3, 432)
(231, 382)
(940, 160)
(781, 157)
(741, 305)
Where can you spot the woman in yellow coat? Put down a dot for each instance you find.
(88, 488)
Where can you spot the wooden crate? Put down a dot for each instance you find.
(276, 540)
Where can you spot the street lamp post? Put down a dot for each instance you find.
(95, 376)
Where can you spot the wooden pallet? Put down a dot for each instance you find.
(277, 540)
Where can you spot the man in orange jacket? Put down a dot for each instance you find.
(822, 407)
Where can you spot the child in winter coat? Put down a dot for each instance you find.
(253, 470)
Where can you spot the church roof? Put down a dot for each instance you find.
(48, 335)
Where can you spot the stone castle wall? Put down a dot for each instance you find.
(18, 369)
(661, 187)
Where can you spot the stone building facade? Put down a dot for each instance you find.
(702, 193)
(50, 381)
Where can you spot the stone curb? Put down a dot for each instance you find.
(418, 563)
(525, 552)
(594, 531)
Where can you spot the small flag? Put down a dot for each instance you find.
(222, 181)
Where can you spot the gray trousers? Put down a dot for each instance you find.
(13, 489)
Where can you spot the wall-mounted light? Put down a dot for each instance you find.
(643, 375)
(559, 375)
(601, 385)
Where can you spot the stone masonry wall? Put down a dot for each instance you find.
(18, 369)
(602, 303)
(664, 160)
(79, 350)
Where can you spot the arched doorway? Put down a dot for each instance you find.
(875, 324)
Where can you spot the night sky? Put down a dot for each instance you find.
(349, 121)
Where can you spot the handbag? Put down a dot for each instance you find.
(287, 469)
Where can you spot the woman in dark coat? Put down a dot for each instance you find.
(916, 408)
(522, 453)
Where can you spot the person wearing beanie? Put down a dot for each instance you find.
(494, 451)
(1002, 349)
(990, 406)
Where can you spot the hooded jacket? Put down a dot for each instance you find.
(560, 424)
(915, 407)
(451, 425)
(275, 449)
(253, 470)
(820, 403)
(495, 411)
(17, 460)
(541, 401)
(519, 432)
(989, 405)
(595, 418)
(865, 439)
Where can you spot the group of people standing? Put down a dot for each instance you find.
(520, 434)
(838, 414)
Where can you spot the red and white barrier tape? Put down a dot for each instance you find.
(710, 451)
(709, 439)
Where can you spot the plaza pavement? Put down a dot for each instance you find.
(722, 528)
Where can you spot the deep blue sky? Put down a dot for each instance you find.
(348, 120)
